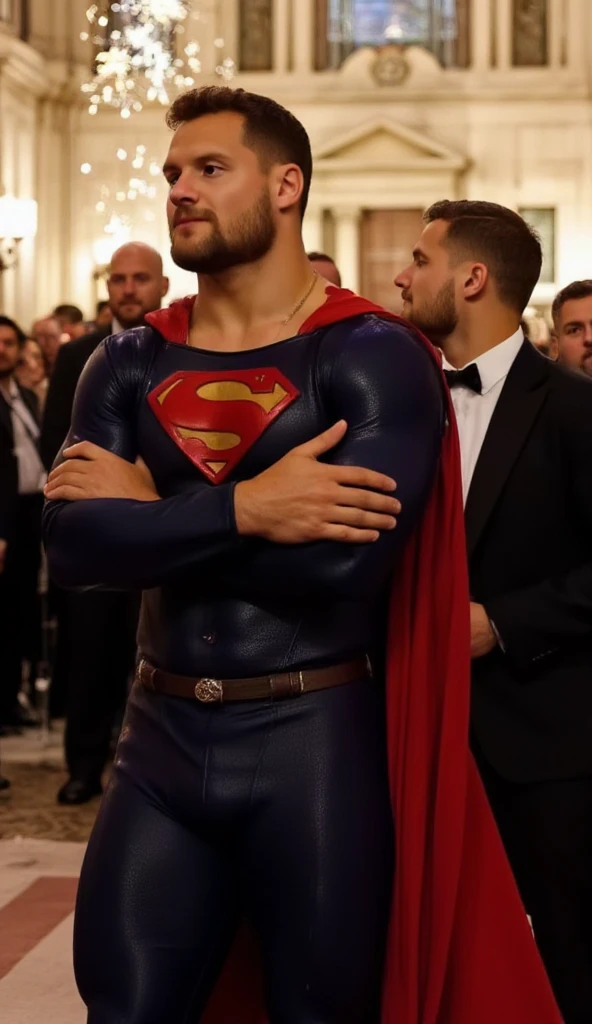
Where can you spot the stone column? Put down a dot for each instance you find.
(281, 35)
(505, 29)
(481, 35)
(302, 35)
(347, 245)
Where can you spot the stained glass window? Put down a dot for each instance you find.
(441, 26)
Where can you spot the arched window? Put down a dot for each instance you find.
(530, 33)
(441, 26)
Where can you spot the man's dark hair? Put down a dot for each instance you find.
(5, 321)
(575, 290)
(70, 314)
(498, 237)
(101, 305)
(313, 256)
(271, 131)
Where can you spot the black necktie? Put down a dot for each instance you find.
(468, 378)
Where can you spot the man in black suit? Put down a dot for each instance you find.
(22, 477)
(572, 326)
(97, 629)
(525, 428)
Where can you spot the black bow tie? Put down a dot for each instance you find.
(468, 378)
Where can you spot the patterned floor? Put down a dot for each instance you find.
(41, 850)
(38, 881)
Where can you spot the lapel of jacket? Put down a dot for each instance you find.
(30, 400)
(521, 399)
(6, 417)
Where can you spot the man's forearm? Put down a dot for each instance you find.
(122, 544)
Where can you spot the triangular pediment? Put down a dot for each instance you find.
(382, 143)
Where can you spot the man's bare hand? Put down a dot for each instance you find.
(483, 639)
(3, 550)
(298, 499)
(92, 472)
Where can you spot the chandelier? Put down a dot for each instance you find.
(138, 62)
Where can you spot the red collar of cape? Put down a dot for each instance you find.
(460, 948)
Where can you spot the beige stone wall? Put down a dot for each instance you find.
(522, 137)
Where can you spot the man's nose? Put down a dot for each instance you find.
(403, 280)
(185, 191)
(588, 334)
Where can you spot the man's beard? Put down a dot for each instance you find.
(586, 366)
(128, 322)
(439, 318)
(6, 372)
(247, 239)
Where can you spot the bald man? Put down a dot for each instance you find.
(136, 286)
(97, 630)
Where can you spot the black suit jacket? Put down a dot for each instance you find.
(72, 359)
(9, 461)
(529, 534)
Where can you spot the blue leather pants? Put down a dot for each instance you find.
(277, 811)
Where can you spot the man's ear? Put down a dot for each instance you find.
(289, 186)
(165, 286)
(475, 281)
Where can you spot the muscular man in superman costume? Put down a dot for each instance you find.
(261, 768)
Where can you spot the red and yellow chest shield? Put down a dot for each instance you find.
(216, 417)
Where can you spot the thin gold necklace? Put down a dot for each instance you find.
(298, 306)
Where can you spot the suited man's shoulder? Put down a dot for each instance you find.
(569, 384)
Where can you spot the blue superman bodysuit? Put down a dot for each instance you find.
(277, 811)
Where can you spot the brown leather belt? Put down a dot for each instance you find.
(273, 687)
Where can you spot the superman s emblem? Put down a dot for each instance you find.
(216, 417)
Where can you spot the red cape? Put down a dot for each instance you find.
(460, 948)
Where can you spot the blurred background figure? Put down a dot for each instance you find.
(96, 640)
(572, 326)
(22, 478)
(103, 314)
(49, 336)
(71, 321)
(31, 372)
(325, 267)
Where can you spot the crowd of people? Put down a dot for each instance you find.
(525, 427)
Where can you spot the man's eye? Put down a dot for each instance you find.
(172, 178)
(210, 170)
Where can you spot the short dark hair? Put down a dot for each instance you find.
(5, 321)
(71, 314)
(270, 130)
(320, 256)
(575, 290)
(101, 305)
(498, 237)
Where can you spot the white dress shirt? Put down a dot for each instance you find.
(31, 474)
(473, 411)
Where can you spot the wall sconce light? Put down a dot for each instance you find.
(18, 220)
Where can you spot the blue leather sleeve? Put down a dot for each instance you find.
(118, 543)
(380, 379)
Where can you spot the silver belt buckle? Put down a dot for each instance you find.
(209, 691)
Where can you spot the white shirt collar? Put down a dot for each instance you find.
(495, 364)
(116, 327)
